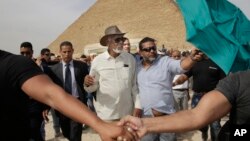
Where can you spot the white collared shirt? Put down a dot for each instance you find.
(74, 84)
(117, 91)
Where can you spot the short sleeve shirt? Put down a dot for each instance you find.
(206, 74)
(15, 70)
(236, 88)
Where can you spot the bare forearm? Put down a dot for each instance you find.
(74, 109)
(54, 96)
(179, 122)
(203, 114)
(181, 79)
(187, 63)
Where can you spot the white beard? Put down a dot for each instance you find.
(150, 59)
(117, 50)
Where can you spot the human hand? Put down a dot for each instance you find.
(39, 61)
(89, 80)
(174, 84)
(135, 123)
(196, 55)
(128, 134)
(137, 112)
(112, 132)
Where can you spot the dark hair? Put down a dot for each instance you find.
(44, 50)
(26, 45)
(52, 54)
(185, 53)
(144, 40)
(66, 43)
(125, 38)
(83, 56)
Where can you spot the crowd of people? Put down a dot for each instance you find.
(101, 90)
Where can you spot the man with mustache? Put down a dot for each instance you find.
(155, 74)
(113, 77)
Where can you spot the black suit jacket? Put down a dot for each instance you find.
(80, 69)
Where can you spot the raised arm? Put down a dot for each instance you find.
(189, 61)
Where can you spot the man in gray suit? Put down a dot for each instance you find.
(69, 74)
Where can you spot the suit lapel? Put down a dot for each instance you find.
(76, 70)
(60, 71)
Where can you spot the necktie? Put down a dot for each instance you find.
(68, 80)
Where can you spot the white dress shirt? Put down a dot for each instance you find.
(115, 85)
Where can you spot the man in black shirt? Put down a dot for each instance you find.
(206, 74)
(21, 78)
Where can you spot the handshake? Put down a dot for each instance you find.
(128, 128)
(134, 128)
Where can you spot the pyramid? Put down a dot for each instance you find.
(159, 19)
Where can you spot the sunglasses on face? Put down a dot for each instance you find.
(119, 39)
(149, 49)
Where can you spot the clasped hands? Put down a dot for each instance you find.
(134, 128)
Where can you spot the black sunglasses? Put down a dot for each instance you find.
(119, 39)
(149, 49)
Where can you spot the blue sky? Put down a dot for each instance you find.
(42, 21)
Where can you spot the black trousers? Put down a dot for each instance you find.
(36, 120)
(70, 129)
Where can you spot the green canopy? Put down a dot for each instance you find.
(220, 30)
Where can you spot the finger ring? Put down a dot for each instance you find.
(129, 129)
(119, 138)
